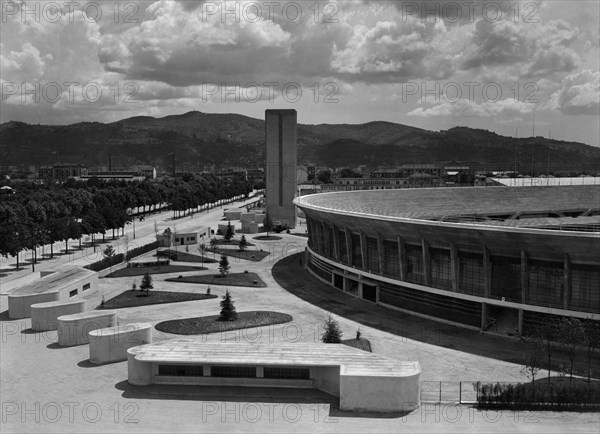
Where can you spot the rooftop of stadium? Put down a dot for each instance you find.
(568, 207)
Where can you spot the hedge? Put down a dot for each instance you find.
(540, 396)
(118, 258)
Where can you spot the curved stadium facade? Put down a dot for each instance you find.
(498, 259)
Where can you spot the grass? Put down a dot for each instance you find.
(267, 238)
(231, 279)
(191, 257)
(250, 255)
(231, 242)
(140, 271)
(361, 344)
(132, 298)
(211, 324)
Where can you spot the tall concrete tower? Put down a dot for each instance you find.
(282, 146)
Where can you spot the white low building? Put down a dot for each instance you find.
(63, 283)
(363, 381)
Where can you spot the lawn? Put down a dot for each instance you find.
(250, 255)
(140, 271)
(231, 279)
(190, 257)
(132, 298)
(361, 344)
(267, 238)
(211, 324)
(232, 242)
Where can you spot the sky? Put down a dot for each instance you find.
(495, 65)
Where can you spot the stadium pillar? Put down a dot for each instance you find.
(520, 324)
(487, 273)
(380, 254)
(524, 277)
(349, 246)
(454, 266)
(363, 251)
(426, 261)
(483, 316)
(336, 243)
(402, 258)
(567, 282)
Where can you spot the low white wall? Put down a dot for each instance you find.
(138, 373)
(259, 218)
(74, 329)
(327, 379)
(233, 214)
(223, 227)
(111, 344)
(44, 316)
(247, 217)
(6, 286)
(19, 306)
(379, 394)
(249, 228)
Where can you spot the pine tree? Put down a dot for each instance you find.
(243, 244)
(146, 284)
(224, 265)
(228, 312)
(229, 233)
(332, 333)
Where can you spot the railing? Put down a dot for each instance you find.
(460, 392)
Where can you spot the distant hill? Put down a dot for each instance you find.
(233, 139)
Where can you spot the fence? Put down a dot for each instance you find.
(461, 392)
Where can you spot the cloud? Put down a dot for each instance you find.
(466, 108)
(579, 94)
(25, 65)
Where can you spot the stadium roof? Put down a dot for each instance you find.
(505, 206)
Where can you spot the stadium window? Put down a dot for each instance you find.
(470, 272)
(546, 283)
(441, 276)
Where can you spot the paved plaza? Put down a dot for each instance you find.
(47, 388)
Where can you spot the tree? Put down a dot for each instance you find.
(126, 247)
(570, 336)
(108, 253)
(228, 312)
(202, 249)
(146, 284)
(229, 232)
(332, 333)
(134, 286)
(547, 332)
(533, 353)
(591, 341)
(243, 244)
(168, 234)
(324, 176)
(224, 265)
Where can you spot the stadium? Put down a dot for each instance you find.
(496, 259)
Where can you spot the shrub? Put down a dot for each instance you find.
(228, 312)
(224, 265)
(332, 333)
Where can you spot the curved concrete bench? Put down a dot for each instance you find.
(44, 316)
(111, 344)
(74, 329)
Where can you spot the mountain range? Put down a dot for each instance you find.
(233, 139)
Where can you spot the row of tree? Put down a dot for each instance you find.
(568, 335)
(44, 214)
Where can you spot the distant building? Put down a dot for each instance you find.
(62, 171)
